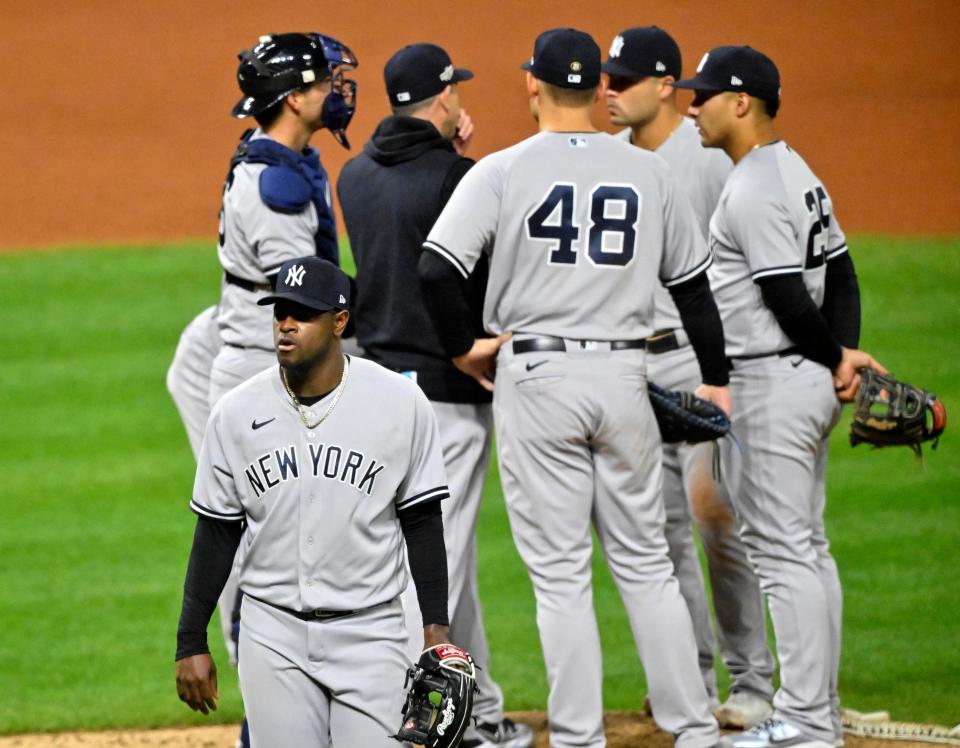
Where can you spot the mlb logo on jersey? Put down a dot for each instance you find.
(578, 141)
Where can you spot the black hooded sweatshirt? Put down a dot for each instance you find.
(391, 195)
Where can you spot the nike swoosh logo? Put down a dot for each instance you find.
(531, 367)
(256, 425)
(796, 363)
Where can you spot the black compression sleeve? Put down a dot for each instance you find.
(841, 301)
(214, 546)
(701, 320)
(445, 294)
(787, 298)
(422, 527)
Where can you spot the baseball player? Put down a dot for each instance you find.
(643, 64)
(276, 198)
(320, 469)
(578, 226)
(788, 293)
(276, 205)
(391, 194)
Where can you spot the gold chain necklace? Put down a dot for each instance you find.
(336, 395)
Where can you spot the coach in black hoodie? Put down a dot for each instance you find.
(391, 195)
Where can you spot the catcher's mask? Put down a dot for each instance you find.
(283, 63)
(439, 698)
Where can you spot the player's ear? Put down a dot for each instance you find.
(340, 320)
(744, 104)
(533, 85)
(665, 87)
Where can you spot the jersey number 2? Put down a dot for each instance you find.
(815, 200)
(612, 235)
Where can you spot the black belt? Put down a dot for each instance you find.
(318, 614)
(245, 284)
(664, 341)
(543, 344)
(792, 351)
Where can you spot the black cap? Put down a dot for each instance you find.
(736, 69)
(313, 282)
(567, 58)
(643, 51)
(419, 71)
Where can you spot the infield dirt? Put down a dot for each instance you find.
(624, 730)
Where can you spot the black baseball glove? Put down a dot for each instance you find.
(684, 417)
(439, 698)
(890, 413)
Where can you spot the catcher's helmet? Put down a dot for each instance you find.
(283, 63)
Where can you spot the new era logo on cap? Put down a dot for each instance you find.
(342, 299)
(735, 81)
(447, 75)
(661, 68)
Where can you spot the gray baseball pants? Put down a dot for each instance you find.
(783, 411)
(737, 600)
(305, 681)
(578, 446)
(188, 378)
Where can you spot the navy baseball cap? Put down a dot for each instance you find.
(313, 282)
(736, 69)
(643, 51)
(419, 71)
(566, 58)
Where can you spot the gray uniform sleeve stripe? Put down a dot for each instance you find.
(434, 494)
(221, 470)
(831, 253)
(690, 273)
(200, 509)
(448, 256)
(783, 270)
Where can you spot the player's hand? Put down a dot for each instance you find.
(434, 634)
(719, 396)
(464, 134)
(480, 362)
(197, 682)
(846, 377)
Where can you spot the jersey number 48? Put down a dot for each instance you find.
(611, 235)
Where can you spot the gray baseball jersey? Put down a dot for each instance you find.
(701, 173)
(321, 504)
(571, 256)
(774, 217)
(255, 240)
(580, 228)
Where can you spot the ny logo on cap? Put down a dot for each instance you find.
(295, 275)
(447, 74)
(617, 47)
(703, 61)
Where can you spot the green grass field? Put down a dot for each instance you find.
(96, 474)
